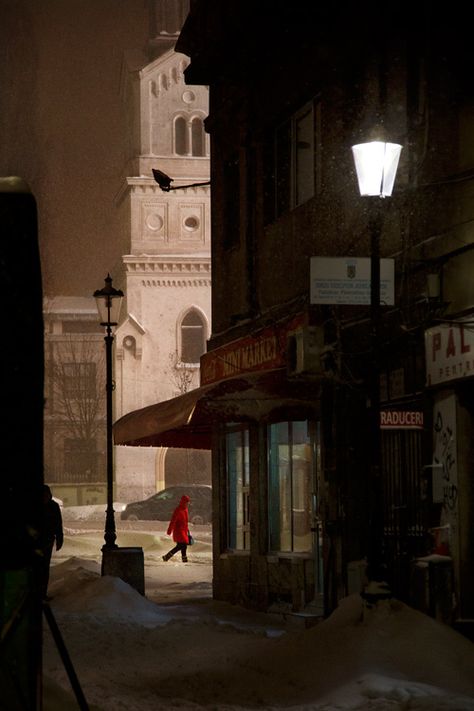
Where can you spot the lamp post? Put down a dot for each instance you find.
(376, 165)
(164, 181)
(109, 302)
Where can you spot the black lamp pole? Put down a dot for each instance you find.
(375, 567)
(376, 165)
(110, 535)
(109, 302)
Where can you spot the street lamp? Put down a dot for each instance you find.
(376, 165)
(109, 302)
(164, 181)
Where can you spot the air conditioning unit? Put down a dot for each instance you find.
(304, 349)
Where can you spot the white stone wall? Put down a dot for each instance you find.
(168, 268)
(163, 97)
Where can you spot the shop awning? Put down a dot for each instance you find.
(186, 421)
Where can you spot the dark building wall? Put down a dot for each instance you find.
(414, 81)
(465, 579)
(22, 446)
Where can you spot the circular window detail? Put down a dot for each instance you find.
(191, 223)
(154, 222)
(129, 342)
(188, 97)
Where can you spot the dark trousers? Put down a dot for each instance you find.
(44, 564)
(178, 547)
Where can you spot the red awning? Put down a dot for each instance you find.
(186, 421)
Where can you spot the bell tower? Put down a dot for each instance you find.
(166, 19)
(168, 268)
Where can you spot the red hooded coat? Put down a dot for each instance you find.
(179, 523)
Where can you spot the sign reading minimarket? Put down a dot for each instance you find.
(346, 281)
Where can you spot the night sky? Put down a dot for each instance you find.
(63, 128)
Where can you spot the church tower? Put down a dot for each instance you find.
(168, 268)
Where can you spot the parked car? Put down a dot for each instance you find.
(160, 506)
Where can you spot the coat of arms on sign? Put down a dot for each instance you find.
(351, 271)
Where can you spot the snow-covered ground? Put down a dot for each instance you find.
(176, 648)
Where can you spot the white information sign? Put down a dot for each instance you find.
(346, 280)
(449, 350)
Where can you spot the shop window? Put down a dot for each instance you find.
(290, 468)
(193, 340)
(238, 481)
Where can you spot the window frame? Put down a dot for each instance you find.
(275, 509)
(238, 536)
(284, 192)
(81, 383)
(80, 459)
(189, 135)
(182, 329)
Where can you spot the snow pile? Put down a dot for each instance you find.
(92, 512)
(131, 653)
(389, 652)
(109, 597)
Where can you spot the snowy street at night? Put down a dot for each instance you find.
(177, 648)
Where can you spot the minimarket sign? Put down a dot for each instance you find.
(265, 350)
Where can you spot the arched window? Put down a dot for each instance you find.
(180, 131)
(198, 138)
(193, 343)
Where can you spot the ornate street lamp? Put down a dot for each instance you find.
(109, 303)
(164, 181)
(376, 165)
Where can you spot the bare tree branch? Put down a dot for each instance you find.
(76, 386)
(182, 375)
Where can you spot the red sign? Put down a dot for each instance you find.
(401, 420)
(264, 351)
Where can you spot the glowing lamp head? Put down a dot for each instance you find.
(376, 166)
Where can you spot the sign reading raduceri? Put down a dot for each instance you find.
(401, 420)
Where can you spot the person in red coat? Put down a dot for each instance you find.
(179, 529)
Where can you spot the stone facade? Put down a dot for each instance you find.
(74, 393)
(167, 272)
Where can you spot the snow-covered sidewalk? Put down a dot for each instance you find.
(177, 648)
